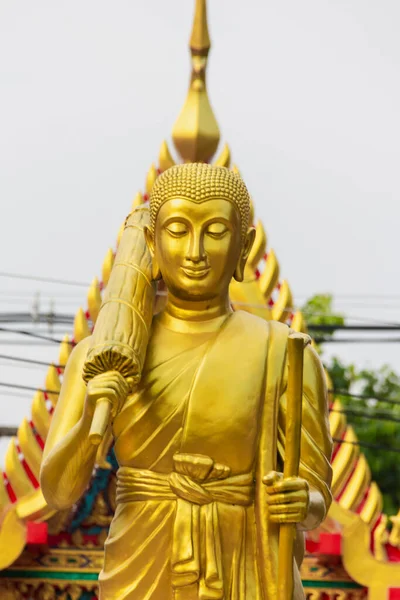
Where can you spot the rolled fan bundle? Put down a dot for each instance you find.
(121, 334)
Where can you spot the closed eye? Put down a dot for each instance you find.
(177, 229)
(216, 230)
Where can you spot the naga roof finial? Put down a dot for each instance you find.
(196, 133)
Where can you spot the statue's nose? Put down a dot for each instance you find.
(195, 251)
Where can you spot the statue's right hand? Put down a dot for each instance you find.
(110, 385)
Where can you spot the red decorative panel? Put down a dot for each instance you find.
(328, 543)
(36, 533)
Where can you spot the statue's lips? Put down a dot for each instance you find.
(195, 273)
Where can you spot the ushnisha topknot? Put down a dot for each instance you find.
(199, 182)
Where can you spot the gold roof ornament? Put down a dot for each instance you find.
(196, 133)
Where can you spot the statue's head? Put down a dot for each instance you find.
(199, 235)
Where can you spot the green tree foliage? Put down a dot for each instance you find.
(318, 310)
(370, 425)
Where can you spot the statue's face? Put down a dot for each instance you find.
(197, 247)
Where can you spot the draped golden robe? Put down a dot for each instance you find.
(205, 424)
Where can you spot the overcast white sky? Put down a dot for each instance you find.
(306, 93)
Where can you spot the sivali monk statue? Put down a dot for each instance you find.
(196, 397)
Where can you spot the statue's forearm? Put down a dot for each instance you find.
(67, 469)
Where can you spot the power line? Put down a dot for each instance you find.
(368, 306)
(358, 295)
(373, 417)
(8, 431)
(24, 343)
(69, 318)
(43, 279)
(31, 292)
(352, 317)
(333, 328)
(32, 334)
(27, 302)
(317, 340)
(305, 296)
(28, 388)
(29, 361)
(386, 340)
(337, 392)
(83, 284)
(63, 298)
(348, 411)
(365, 397)
(46, 318)
(12, 431)
(13, 365)
(369, 445)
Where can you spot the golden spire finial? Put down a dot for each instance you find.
(196, 133)
(200, 39)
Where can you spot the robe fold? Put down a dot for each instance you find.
(193, 441)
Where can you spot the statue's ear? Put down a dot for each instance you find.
(244, 254)
(149, 237)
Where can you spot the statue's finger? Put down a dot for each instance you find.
(272, 478)
(288, 485)
(129, 382)
(286, 509)
(107, 375)
(289, 498)
(286, 519)
(102, 392)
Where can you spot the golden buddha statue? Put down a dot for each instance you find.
(199, 434)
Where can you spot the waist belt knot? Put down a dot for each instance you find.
(197, 484)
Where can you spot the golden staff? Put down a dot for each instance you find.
(287, 531)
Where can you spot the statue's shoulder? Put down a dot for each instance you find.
(257, 327)
(246, 319)
(255, 323)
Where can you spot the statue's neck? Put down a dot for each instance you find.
(192, 315)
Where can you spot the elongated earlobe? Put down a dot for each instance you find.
(244, 254)
(155, 269)
(239, 271)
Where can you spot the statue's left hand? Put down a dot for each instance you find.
(288, 499)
